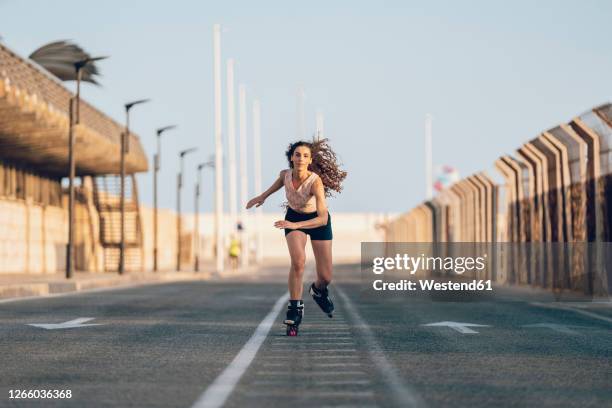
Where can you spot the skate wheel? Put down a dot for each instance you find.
(292, 331)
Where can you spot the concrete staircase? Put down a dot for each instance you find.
(107, 197)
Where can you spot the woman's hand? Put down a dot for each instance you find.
(257, 201)
(285, 224)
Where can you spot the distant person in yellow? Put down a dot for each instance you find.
(234, 252)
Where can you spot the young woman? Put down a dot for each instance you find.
(312, 175)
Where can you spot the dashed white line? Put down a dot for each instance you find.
(345, 350)
(326, 343)
(349, 406)
(314, 356)
(317, 365)
(316, 383)
(309, 374)
(310, 336)
(320, 394)
(218, 392)
(404, 395)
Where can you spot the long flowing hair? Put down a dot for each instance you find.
(324, 164)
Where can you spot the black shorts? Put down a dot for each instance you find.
(322, 233)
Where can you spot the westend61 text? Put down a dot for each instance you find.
(430, 284)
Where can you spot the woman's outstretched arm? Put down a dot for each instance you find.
(259, 200)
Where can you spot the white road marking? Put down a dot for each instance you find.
(331, 357)
(404, 395)
(348, 406)
(463, 328)
(334, 350)
(345, 394)
(315, 356)
(346, 350)
(337, 365)
(322, 343)
(71, 324)
(217, 393)
(320, 365)
(342, 382)
(319, 394)
(309, 374)
(322, 337)
(316, 383)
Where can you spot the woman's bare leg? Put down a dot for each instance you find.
(323, 256)
(296, 242)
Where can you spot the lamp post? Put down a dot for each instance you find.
(231, 145)
(74, 119)
(179, 185)
(428, 158)
(125, 147)
(156, 167)
(244, 192)
(257, 162)
(320, 124)
(210, 164)
(219, 227)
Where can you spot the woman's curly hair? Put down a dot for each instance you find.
(324, 164)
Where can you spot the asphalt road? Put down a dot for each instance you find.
(167, 346)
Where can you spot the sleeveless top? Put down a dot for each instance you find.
(300, 200)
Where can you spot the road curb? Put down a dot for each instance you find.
(57, 286)
(53, 287)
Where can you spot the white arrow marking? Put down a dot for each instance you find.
(71, 324)
(460, 327)
(561, 328)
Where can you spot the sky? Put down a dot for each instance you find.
(493, 74)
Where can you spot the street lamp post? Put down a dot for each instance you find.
(257, 162)
(219, 227)
(156, 167)
(71, 174)
(197, 212)
(74, 119)
(125, 147)
(244, 193)
(428, 158)
(179, 185)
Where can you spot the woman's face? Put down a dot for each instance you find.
(301, 157)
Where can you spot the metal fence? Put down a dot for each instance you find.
(556, 188)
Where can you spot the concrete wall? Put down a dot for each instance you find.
(32, 237)
(167, 242)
